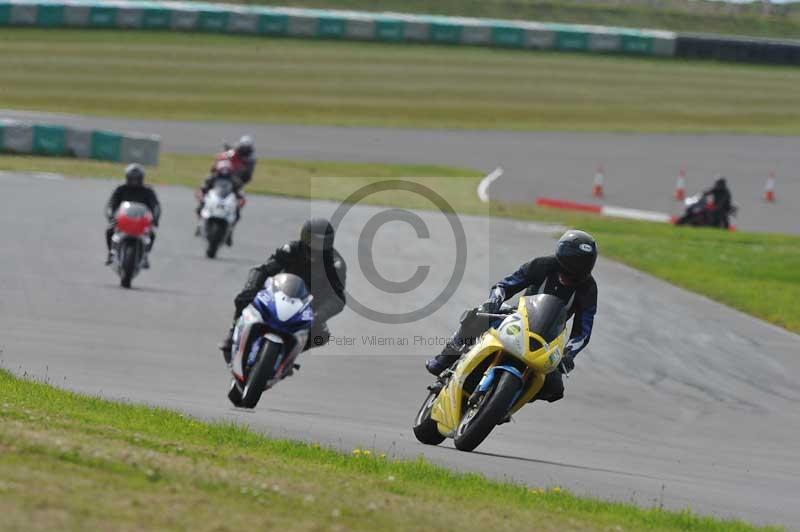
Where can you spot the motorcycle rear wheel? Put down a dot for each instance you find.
(425, 428)
(261, 372)
(479, 421)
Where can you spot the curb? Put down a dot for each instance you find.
(607, 210)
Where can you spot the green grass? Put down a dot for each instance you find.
(250, 79)
(71, 462)
(272, 176)
(677, 15)
(755, 273)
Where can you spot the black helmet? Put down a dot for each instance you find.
(244, 148)
(576, 253)
(720, 182)
(317, 234)
(134, 174)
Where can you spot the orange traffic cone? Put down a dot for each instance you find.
(599, 181)
(680, 186)
(769, 188)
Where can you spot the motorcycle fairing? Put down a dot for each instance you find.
(512, 338)
(281, 312)
(279, 315)
(215, 205)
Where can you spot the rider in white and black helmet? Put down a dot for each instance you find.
(312, 258)
(133, 190)
(244, 159)
(566, 274)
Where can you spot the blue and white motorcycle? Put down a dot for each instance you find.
(270, 334)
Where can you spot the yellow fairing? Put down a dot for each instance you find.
(449, 407)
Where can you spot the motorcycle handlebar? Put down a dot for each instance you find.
(490, 315)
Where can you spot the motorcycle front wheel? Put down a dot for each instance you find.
(215, 233)
(491, 409)
(261, 372)
(235, 394)
(425, 428)
(128, 262)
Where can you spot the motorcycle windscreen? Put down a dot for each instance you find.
(547, 315)
(290, 284)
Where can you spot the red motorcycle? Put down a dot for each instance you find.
(133, 227)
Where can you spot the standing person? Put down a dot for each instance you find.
(312, 258)
(568, 275)
(134, 190)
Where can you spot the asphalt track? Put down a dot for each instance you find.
(641, 170)
(678, 401)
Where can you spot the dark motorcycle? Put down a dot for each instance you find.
(700, 212)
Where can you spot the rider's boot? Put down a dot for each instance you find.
(145, 262)
(229, 240)
(226, 345)
(443, 360)
(109, 259)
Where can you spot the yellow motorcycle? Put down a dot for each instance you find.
(502, 372)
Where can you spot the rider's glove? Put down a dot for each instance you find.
(567, 363)
(496, 298)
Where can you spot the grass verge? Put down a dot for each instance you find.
(755, 273)
(71, 462)
(272, 176)
(250, 79)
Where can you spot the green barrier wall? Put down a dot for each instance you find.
(270, 24)
(329, 24)
(56, 140)
(106, 146)
(49, 140)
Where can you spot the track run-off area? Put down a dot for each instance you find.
(678, 401)
(640, 169)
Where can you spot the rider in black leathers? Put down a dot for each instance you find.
(312, 258)
(134, 190)
(567, 275)
(720, 194)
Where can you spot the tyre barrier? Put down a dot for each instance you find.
(332, 24)
(60, 141)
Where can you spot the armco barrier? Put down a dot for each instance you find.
(45, 139)
(331, 24)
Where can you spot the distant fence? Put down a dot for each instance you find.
(349, 25)
(46, 139)
(386, 27)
